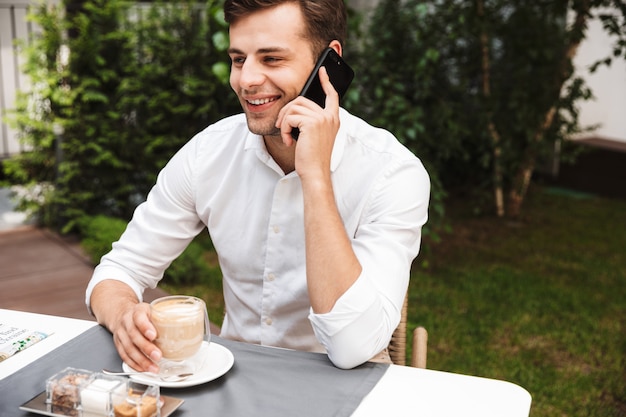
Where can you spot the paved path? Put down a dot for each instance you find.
(42, 272)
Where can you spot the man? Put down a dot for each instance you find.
(315, 238)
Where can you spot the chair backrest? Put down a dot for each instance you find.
(397, 344)
(420, 346)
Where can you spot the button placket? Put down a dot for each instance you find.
(279, 226)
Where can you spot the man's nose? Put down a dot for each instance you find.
(251, 75)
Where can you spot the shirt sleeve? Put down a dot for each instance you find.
(161, 228)
(386, 242)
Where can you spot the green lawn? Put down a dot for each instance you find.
(540, 302)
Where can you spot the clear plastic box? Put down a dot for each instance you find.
(101, 394)
(80, 393)
(141, 401)
(63, 391)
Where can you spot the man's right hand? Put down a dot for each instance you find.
(116, 307)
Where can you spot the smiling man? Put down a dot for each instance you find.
(315, 238)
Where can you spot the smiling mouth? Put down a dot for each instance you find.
(261, 101)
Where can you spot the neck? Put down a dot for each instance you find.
(284, 156)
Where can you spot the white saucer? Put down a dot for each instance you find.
(218, 361)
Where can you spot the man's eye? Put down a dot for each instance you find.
(238, 60)
(271, 59)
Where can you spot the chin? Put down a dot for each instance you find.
(263, 129)
(265, 132)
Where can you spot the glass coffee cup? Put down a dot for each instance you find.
(182, 325)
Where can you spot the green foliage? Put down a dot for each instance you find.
(102, 120)
(98, 234)
(421, 74)
(196, 266)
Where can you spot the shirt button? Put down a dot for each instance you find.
(268, 321)
(271, 277)
(276, 229)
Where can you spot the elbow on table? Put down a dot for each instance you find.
(359, 336)
(348, 357)
(345, 363)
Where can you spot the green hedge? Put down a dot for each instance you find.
(101, 120)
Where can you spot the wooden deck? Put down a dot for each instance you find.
(41, 272)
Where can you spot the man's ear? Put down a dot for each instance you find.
(336, 45)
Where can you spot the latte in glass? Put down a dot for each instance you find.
(181, 326)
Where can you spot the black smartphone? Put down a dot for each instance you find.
(340, 75)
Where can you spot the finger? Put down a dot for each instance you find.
(141, 318)
(281, 124)
(286, 129)
(145, 333)
(133, 345)
(332, 97)
(132, 356)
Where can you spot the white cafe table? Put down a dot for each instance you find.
(60, 330)
(402, 390)
(407, 391)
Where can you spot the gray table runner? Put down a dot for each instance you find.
(262, 382)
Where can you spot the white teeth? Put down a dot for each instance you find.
(260, 101)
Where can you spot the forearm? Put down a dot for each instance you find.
(331, 264)
(385, 240)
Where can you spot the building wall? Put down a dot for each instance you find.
(608, 84)
(13, 26)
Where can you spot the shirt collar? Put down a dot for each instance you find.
(255, 142)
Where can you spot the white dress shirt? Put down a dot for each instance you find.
(224, 178)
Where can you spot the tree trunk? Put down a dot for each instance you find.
(491, 127)
(525, 171)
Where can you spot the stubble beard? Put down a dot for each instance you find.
(262, 127)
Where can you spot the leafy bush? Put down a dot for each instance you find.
(193, 267)
(98, 233)
(112, 102)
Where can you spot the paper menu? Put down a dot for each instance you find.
(14, 339)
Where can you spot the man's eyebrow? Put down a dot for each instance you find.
(268, 50)
(272, 50)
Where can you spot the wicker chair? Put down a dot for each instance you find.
(397, 344)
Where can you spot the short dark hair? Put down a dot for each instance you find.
(326, 20)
